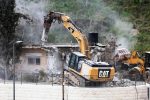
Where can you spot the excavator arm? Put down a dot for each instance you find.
(70, 26)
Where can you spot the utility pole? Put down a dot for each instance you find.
(14, 70)
(63, 91)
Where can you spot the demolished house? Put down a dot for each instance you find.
(34, 58)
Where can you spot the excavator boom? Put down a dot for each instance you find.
(68, 24)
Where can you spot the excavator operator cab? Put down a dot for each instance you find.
(147, 60)
(75, 58)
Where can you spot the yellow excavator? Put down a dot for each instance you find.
(137, 67)
(86, 71)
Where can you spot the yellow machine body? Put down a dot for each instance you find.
(136, 60)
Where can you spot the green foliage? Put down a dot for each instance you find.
(80, 9)
(29, 78)
(42, 75)
(8, 22)
(139, 13)
(51, 38)
(143, 42)
(77, 10)
(135, 11)
(65, 6)
(59, 35)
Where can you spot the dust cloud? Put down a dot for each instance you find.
(35, 10)
(109, 23)
(54, 62)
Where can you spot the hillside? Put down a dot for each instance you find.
(139, 13)
(129, 13)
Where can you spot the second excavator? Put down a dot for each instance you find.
(85, 71)
(137, 68)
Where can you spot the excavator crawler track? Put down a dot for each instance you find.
(74, 79)
(77, 80)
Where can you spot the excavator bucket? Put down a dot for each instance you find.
(48, 20)
(47, 25)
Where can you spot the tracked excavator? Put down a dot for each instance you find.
(138, 68)
(81, 69)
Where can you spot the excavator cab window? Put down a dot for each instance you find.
(147, 59)
(74, 60)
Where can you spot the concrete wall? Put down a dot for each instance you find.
(48, 92)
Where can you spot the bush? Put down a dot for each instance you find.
(30, 78)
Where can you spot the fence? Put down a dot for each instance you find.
(53, 79)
